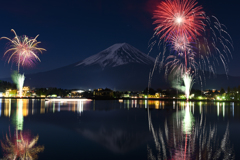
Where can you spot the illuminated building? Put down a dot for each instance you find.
(26, 91)
(53, 95)
(10, 93)
(157, 95)
(151, 96)
(141, 96)
(77, 93)
(125, 96)
(103, 92)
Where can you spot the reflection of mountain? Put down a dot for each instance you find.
(116, 140)
(185, 138)
(119, 131)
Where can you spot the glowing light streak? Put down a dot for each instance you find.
(188, 82)
(188, 120)
(19, 116)
(18, 79)
(59, 107)
(193, 108)
(43, 104)
(53, 107)
(80, 107)
(232, 104)
(120, 100)
(0, 107)
(223, 109)
(33, 106)
(200, 107)
(67, 99)
(9, 107)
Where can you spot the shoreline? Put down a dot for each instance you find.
(152, 99)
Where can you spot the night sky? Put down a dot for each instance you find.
(72, 30)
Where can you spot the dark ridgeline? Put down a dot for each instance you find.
(119, 67)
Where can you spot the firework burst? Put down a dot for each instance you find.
(23, 50)
(182, 58)
(198, 43)
(180, 43)
(183, 16)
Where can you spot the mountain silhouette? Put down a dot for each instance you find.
(120, 67)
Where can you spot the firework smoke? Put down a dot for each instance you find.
(18, 79)
(182, 82)
(188, 82)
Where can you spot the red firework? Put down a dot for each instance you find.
(182, 16)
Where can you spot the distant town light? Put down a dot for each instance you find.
(120, 100)
(80, 91)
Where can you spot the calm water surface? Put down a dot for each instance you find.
(129, 129)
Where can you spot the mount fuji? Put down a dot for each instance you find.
(117, 55)
(120, 67)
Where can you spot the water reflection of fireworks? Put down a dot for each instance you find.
(22, 147)
(185, 138)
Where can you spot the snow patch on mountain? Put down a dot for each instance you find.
(116, 55)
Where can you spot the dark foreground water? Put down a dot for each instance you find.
(129, 129)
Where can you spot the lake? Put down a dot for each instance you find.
(118, 129)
